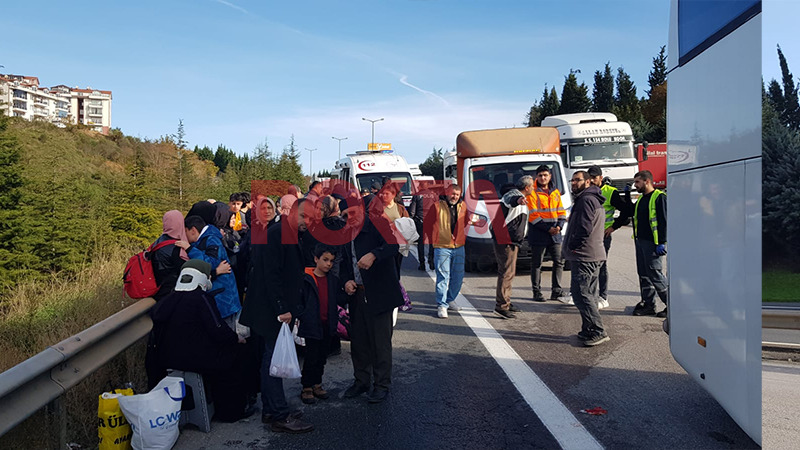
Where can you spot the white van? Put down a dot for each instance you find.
(363, 169)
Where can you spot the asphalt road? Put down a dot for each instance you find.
(449, 391)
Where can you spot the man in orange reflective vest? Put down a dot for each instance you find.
(546, 219)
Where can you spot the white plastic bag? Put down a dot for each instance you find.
(154, 416)
(405, 231)
(284, 358)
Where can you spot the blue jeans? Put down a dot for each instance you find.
(449, 273)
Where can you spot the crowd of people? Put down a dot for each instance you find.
(238, 270)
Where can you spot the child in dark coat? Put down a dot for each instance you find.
(321, 294)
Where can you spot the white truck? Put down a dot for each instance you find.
(364, 168)
(487, 160)
(589, 139)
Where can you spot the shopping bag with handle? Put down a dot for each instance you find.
(113, 429)
(154, 416)
(284, 358)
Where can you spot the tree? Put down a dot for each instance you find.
(550, 103)
(626, 103)
(658, 74)
(433, 166)
(10, 184)
(603, 91)
(574, 96)
(775, 96)
(205, 153)
(223, 157)
(790, 114)
(180, 143)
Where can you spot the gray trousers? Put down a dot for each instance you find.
(583, 286)
(649, 266)
(537, 257)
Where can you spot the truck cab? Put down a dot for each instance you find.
(486, 160)
(589, 139)
(363, 168)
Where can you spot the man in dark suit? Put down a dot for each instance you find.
(276, 278)
(368, 269)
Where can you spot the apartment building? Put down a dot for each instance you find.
(23, 97)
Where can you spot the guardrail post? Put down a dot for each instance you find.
(56, 424)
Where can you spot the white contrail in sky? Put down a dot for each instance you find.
(404, 78)
(231, 5)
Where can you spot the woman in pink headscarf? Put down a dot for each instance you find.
(167, 260)
(286, 204)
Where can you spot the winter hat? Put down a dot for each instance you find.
(595, 171)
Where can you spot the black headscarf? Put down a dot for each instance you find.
(205, 210)
(222, 216)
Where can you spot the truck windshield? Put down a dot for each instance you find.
(583, 153)
(508, 173)
(403, 180)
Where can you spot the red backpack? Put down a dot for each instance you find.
(138, 280)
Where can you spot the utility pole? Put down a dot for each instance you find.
(373, 129)
(340, 146)
(310, 162)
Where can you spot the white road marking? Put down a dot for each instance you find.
(560, 422)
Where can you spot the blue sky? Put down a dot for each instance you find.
(779, 27)
(241, 71)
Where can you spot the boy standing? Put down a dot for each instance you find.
(318, 321)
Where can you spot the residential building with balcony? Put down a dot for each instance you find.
(21, 96)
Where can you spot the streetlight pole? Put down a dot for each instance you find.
(311, 162)
(373, 129)
(340, 145)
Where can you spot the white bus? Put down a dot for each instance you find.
(589, 139)
(714, 200)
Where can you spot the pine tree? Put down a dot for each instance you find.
(10, 184)
(603, 91)
(790, 114)
(658, 74)
(574, 96)
(626, 103)
(775, 97)
(550, 103)
(434, 164)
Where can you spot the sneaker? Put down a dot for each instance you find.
(378, 395)
(644, 311)
(422, 267)
(513, 308)
(291, 425)
(319, 392)
(583, 336)
(662, 314)
(453, 307)
(566, 299)
(442, 312)
(505, 314)
(597, 339)
(603, 303)
(307, 396)
(539, 298)
(355, 390)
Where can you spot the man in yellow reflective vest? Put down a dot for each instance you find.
(650, 237)
(614, 202)
(546, 219)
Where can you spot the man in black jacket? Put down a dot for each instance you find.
(614, 202)
(650, 239)
(514, 207)
(371, 279)
(583, 245)
(276, 278)
(421, 205)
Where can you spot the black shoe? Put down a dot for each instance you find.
(249, 411)
(597, 339)
(421, 267)
(513, 308)
(504, 313)
(267, 418)
(378, 395)
(335, 351)
(662, 314)
(291, 425)
(355, 390)
(539, 298)
(583, 336)
(645, 311)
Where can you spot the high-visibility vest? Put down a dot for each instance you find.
(608, 191)
(545, 207)
(651, 214)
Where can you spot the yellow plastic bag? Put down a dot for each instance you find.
(113, 429)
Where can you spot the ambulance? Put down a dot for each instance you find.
(362, 169)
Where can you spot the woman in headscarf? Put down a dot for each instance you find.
(286, 204)
(204, 209)
(167, 260)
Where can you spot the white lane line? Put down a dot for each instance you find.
(560, 422)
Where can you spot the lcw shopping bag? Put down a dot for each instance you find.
(113, 429)
(154, 416)
(284, 358)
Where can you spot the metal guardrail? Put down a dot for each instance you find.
(38, 381)
(780, 317)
